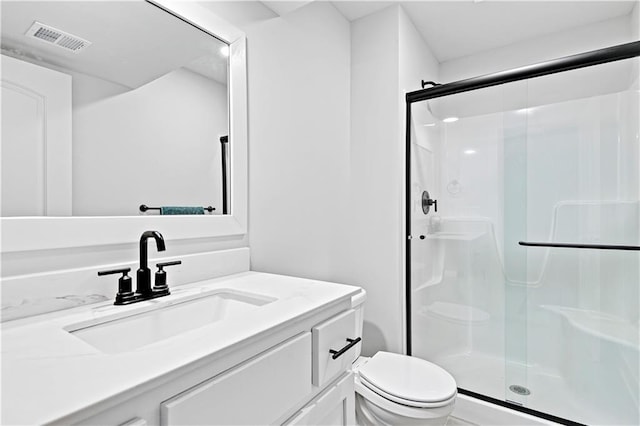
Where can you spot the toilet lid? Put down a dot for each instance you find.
(407, 378)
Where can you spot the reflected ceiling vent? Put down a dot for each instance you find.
(57, 37)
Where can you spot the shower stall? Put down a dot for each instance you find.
(523, 235)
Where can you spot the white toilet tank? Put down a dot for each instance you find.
(357, 303)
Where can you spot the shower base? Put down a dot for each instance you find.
(549, 392)
(470, 411)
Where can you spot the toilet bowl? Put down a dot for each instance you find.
(395, 389)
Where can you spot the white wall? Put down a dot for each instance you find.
(299, 143)
(635, 22)
(388, 58)
(417, 62)
(156, 145)
(576, 40)
(326, 151)
(376, 176)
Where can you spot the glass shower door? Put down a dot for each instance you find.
(457, 284)
(527, 165)
(581, 191)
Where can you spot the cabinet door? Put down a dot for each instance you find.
(336, 406)
(257, 392)
(136, 422)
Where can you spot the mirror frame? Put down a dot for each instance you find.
(44, 233)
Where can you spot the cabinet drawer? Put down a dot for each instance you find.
(256, 392)
(332, 335)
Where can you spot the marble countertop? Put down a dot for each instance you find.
(49, 374)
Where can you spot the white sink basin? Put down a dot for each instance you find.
(138, 329)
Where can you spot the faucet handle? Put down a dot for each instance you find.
(163, 264)
(124, 295)
(160, 285)
(124, 271)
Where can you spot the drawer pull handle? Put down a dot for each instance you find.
(351, 343)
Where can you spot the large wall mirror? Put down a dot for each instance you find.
(108, 106)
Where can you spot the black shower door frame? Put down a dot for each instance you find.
(567, 63)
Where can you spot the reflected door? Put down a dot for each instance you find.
(36, 140)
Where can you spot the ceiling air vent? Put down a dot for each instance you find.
(57, 37)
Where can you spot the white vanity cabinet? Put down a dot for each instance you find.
(257, 392)
(335, 406)
(295, 382)
(285, 361)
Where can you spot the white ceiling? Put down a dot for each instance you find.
(284, 7)
(454, 29)
(353, 10)
(451, 28)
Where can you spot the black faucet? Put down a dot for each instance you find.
(144, 291)
(144, 273)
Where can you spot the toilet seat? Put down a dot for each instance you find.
(406, 380)
(407, 402)
(375, 402)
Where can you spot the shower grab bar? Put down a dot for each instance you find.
(580, 246)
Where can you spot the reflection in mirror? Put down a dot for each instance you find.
(107, 106)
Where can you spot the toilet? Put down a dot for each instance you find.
(395, 389)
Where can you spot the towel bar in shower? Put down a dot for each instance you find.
(144, 208)
(580, 246)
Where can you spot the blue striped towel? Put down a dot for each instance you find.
(171, 210)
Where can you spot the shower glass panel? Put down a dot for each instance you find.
(553, 159)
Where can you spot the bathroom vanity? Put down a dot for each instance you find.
(249, 348)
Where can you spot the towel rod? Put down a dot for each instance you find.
(580, 246)
(144, 208)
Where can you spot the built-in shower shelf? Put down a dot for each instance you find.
(600, 324)
(449, 274)
(457, 236)
(455, 312)
(433, 281)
